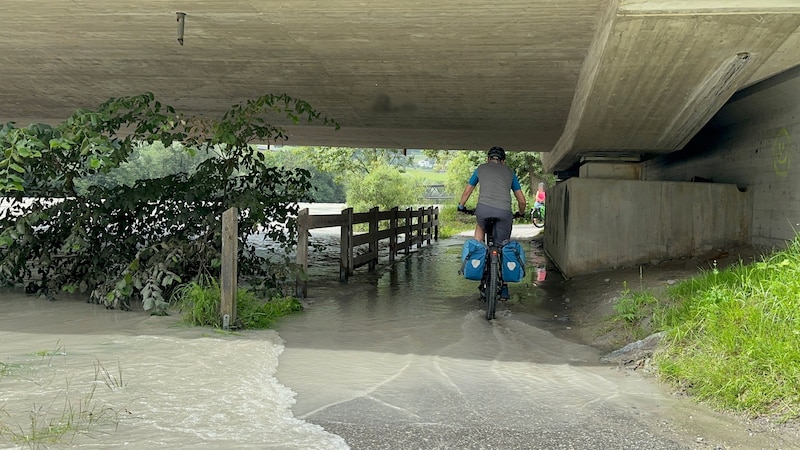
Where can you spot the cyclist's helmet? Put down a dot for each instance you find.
(497, 153)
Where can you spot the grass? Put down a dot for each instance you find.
(199, 303)
(425, 176)
(64, 415)
(632, 309)
(733, 334)
(452, 222)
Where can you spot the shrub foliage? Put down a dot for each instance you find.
(124, 242)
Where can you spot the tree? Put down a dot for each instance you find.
(141, 240)
(146, 161)
(528, 166)
(460, 164)
(326, 188)
(370, 175)
(382, 186)
(459, 169)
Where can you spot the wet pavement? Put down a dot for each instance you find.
(404, 358)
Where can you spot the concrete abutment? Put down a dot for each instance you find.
(595, 224)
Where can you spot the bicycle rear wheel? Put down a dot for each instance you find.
(493, 288)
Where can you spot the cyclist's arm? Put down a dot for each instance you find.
(521, 202)
(473, 181)
(465, 196)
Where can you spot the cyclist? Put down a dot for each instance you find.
(540, 196)
(494, 200)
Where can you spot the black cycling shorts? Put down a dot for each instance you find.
(502, 228)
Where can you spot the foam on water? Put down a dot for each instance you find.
(206, 392)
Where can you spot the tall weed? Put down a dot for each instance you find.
(200, 303)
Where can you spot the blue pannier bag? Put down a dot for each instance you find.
(513, 262)
(473, 259)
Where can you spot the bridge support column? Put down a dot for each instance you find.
(597, 224)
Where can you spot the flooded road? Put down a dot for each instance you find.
(402, 358)
(405, 359)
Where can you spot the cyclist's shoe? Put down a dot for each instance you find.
(504, 295)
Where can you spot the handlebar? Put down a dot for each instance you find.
(471, 212)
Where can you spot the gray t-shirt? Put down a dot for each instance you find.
(497, 181)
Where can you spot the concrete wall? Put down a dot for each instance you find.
(595, 224)
(616, 171)
(751, 142)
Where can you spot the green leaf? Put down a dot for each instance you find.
(23, 150)
(94, 162)
(16, 167)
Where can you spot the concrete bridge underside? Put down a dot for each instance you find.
(603, 87)
(576, 78)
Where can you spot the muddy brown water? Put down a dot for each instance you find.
(405, 359)
(402, 358)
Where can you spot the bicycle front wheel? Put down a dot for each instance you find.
(493, 289)
(537, 218)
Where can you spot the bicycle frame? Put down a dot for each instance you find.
(537, 216)
(492, 282)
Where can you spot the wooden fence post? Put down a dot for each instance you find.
(417, 231)
(345, 233)
(350, 256)
(393, 235)
(373, 237)
(409, 236)
(428, 224)
(301, 258)
(436, 225)
(420, 227)
(229, 270)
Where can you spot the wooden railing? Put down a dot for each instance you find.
(415, 226)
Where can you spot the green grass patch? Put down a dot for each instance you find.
(733, 335)
(634, 309)
(199, 302)
(452, 222)
(425, 176)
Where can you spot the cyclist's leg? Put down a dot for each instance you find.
(482, 213)
(502, 228)
(479, 233)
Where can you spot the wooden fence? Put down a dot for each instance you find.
(416, 226)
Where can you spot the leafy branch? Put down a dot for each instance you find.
(60, 231)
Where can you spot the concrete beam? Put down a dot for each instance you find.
(653, 93)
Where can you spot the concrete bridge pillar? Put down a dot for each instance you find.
(595, 224)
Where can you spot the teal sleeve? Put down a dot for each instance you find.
(473, 180)
(515, 184)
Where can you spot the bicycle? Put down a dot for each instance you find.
(491, 284)
(537, 216)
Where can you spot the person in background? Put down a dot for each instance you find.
(540, 196)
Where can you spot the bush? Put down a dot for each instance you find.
(199, 302)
